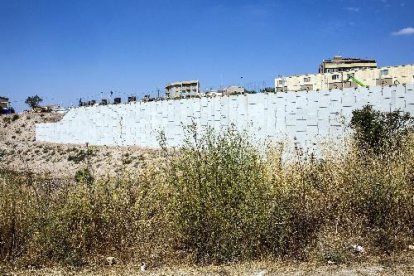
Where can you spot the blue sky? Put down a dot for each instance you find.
(64, 50)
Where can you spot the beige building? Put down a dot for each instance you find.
(233, 90)
(182, 89)
(401, 74)
(213, 93)
(340, 64)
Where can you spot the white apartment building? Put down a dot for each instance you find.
(389, 75)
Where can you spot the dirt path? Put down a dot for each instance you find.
(261, 269)
(402, 264)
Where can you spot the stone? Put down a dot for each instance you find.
(331, 262)
(110, 261)
(358, 248)
(143, 267)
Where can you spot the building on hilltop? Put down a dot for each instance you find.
(233, 90)
(401, 74)
(340, 64)
(4, 102)
(213, 93)
(5, 107)
(227, 91)
(182, 89)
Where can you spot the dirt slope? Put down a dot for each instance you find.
(19, 150)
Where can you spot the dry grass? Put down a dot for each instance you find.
(215, 200)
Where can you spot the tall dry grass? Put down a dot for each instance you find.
(216, 199)
(78, 223)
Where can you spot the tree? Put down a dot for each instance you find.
(378, 131)
(268, 89)
(33, 101)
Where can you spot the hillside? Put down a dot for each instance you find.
(20, 151)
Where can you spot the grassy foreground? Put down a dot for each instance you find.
(217, 199)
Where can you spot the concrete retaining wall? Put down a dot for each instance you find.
(308, 117)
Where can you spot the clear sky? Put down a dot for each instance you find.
(64, 50)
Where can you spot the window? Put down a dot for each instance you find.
(384, 72)
(335, 77)
(306, 79)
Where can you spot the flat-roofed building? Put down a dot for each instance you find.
(234, 90)
(339, 64)
(213, 93)
(4, 103)
(389, 75)
(182, 89)
(5, 107)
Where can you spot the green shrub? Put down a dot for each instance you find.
(218, 196)
(6, 120)
(227, 205)
(15, 117)
(380, 132)
(81, 156)
(84, 175)
(127, 159)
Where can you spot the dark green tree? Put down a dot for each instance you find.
(33, 101)
(380, 132)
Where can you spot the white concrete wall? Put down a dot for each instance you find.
(308, 117)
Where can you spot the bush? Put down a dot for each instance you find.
(229, 202)
(380, 132)
(15, 117)
(81, 156)
(84, 176)
(218, 197)
(6, 120)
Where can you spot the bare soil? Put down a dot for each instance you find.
(20, 151)
(401, 265)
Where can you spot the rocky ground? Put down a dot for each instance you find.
(20, 151)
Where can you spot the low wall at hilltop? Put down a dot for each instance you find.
(307, 117)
